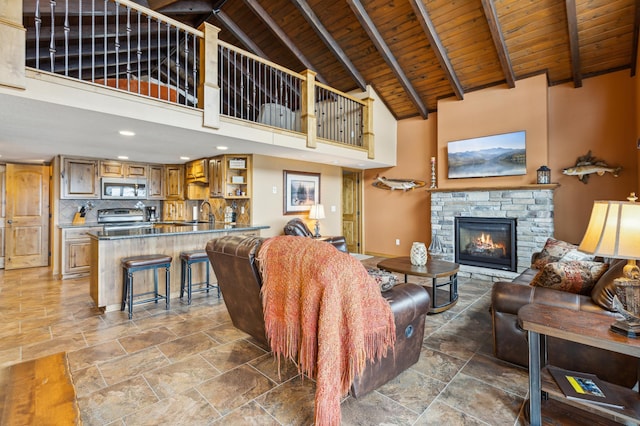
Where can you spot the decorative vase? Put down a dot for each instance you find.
(418, 254)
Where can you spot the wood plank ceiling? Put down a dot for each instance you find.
(414, 52)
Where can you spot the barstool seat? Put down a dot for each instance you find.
(187, 258)
(140, 263)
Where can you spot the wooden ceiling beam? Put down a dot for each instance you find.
(237, 32)
(574, 43)
(275, 29)
(636, 35)
(330, 42)
(159, 4)
(387, 55)
(430, 31)
(498, 40)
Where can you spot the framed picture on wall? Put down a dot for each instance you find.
(301, 191)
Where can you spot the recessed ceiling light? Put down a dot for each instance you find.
(185, 158)
(123, 157)
(127, 133)
(222, 148)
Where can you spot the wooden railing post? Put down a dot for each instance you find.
(367, 128)
(309, 120)
(13, 45)
(208, 88)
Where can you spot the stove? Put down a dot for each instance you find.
(122, 218)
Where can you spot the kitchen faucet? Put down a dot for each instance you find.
(211, 218)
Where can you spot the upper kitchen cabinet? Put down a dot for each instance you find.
(79, 178)
(117, 169)
(198, 171)
(174, 181)
(215, 177)
(155, 183)
(230, 176)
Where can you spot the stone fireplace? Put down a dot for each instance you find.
(530, 207)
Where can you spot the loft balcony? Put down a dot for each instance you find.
(101, 51)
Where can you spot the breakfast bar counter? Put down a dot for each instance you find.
(108, 247)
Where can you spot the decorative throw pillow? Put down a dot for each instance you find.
(386, 280)
(574, 276)
(576, 255)
(552, 251)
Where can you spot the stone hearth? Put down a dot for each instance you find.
(532, 207)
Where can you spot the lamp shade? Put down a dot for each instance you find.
(614, 230)
(316, 212)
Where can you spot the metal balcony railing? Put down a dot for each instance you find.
(122, 45)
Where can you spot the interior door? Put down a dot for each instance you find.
(27, 220)
(351, 206)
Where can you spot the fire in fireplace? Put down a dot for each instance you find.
(486, 242)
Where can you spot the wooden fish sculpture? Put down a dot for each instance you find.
(401, 184)
(587, 165)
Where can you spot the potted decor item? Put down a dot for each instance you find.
(418, 254)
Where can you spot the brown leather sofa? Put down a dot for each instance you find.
(510, 341)
(233, 259)
(298, 228)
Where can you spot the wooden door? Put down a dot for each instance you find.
(27, 228)
(3, 210)
(351, 223)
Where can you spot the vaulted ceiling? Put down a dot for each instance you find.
(414, 52)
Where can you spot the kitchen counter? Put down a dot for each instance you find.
(174, 228)
(109, 247)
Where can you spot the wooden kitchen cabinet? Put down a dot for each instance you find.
(76, 253)
(155, 183)
(237, 176)
(79, 178)
(230, 177)
(3, 211)
(216, 177)
(174, 210)
(197, 171)
(111, 168)
(174, 181)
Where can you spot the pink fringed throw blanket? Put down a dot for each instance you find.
(323, 311)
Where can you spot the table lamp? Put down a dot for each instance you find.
(316, 213)
(614, 231)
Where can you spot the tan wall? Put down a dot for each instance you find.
(391, 215)
(562, 123)
(268, 207)
(599, 117)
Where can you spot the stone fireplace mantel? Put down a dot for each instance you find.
(531, 205)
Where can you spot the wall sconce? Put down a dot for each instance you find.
(544, 175)
(316, 213)
(614, 231)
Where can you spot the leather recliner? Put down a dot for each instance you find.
(298, 228)
(233, 258)
(510, 340)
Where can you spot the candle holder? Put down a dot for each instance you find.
(433, 173)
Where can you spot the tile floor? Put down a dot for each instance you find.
(190, 366)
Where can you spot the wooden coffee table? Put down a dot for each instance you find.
(434, 269)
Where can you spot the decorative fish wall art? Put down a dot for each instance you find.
(401, 184)
(587, 165)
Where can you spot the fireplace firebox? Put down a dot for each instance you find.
(486, 242)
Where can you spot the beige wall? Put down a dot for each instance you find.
(391, 215)
(600, 116)
(268, 206)
(562, 123)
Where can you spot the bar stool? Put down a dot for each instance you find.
(140, 263)
(188, 258)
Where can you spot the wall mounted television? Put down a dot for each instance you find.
(495, 155)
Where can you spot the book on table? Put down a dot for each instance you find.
(585, 387)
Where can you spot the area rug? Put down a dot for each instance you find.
(360, 256)
(38, 392)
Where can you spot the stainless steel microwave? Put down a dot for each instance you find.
(124, 189)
